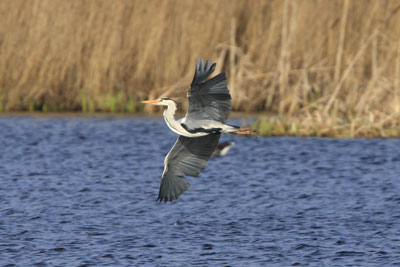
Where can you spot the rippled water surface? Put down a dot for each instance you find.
(81, 191)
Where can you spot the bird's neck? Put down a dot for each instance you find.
(169, 116)
(176, 125)
(169, 112)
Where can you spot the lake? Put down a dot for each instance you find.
(82, 190)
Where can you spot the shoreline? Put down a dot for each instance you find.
(266, 124)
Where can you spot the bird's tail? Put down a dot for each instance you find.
(245, 131)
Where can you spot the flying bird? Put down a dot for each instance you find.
(199, 131)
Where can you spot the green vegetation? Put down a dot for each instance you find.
(324, 127)
(324, 68)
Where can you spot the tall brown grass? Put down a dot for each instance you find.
(334, 61)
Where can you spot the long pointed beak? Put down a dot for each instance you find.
(155, 101)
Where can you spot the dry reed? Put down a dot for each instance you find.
(327, 67)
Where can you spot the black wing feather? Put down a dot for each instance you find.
(187, 157)
(208, 100)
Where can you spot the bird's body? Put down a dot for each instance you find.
(199, 130)
(190, 129)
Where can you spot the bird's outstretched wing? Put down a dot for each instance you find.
(208, 100)
(188, 156)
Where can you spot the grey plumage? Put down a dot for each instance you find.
(208, 100)
(200, 130)
(188, 156)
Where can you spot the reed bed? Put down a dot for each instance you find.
(317, 67)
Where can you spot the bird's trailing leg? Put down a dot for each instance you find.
(245, 131)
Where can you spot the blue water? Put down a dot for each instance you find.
(81, 191)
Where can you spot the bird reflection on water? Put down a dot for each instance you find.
(223, 148)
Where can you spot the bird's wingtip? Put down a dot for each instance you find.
(172, 187)
(166, 199)
(203, 70)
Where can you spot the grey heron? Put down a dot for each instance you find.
(199, 131)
